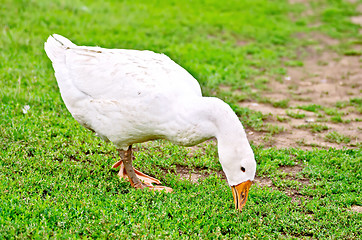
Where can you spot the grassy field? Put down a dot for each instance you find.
(56, 179)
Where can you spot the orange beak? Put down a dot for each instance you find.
(240, 194)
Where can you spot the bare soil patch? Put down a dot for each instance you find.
(292, 169)
(356, 208)
(325, 79)
(263, 182)
(190, 175)
(298, 1)
(292, 172)
(195, 174)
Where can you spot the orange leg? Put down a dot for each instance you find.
(136, 178)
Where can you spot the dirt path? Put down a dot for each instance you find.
(324, 87)
(326, 80)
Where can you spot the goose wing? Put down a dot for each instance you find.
(117, 74)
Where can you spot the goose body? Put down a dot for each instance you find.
(131, 96)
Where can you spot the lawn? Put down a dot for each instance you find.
(56, 179)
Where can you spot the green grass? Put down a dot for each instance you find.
(281, 104)
(314, 127)
(337, 119)
(352, 52)
(282, 119)
(355, 102)
(336, 137)
(294, 114)
(294, 63)
(274, 129)
(332, 111)
(311, 107)
(56, 179)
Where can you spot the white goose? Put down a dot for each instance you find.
(131, 96)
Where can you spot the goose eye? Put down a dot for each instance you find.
(242, 169)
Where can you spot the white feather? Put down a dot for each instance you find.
(130, 96)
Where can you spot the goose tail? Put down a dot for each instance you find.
(55, 47)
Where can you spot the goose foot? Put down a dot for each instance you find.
(136, 178)
(147, 180)
(161, 188)
(153, 188)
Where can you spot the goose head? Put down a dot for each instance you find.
(239, 166)
(235, 154)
